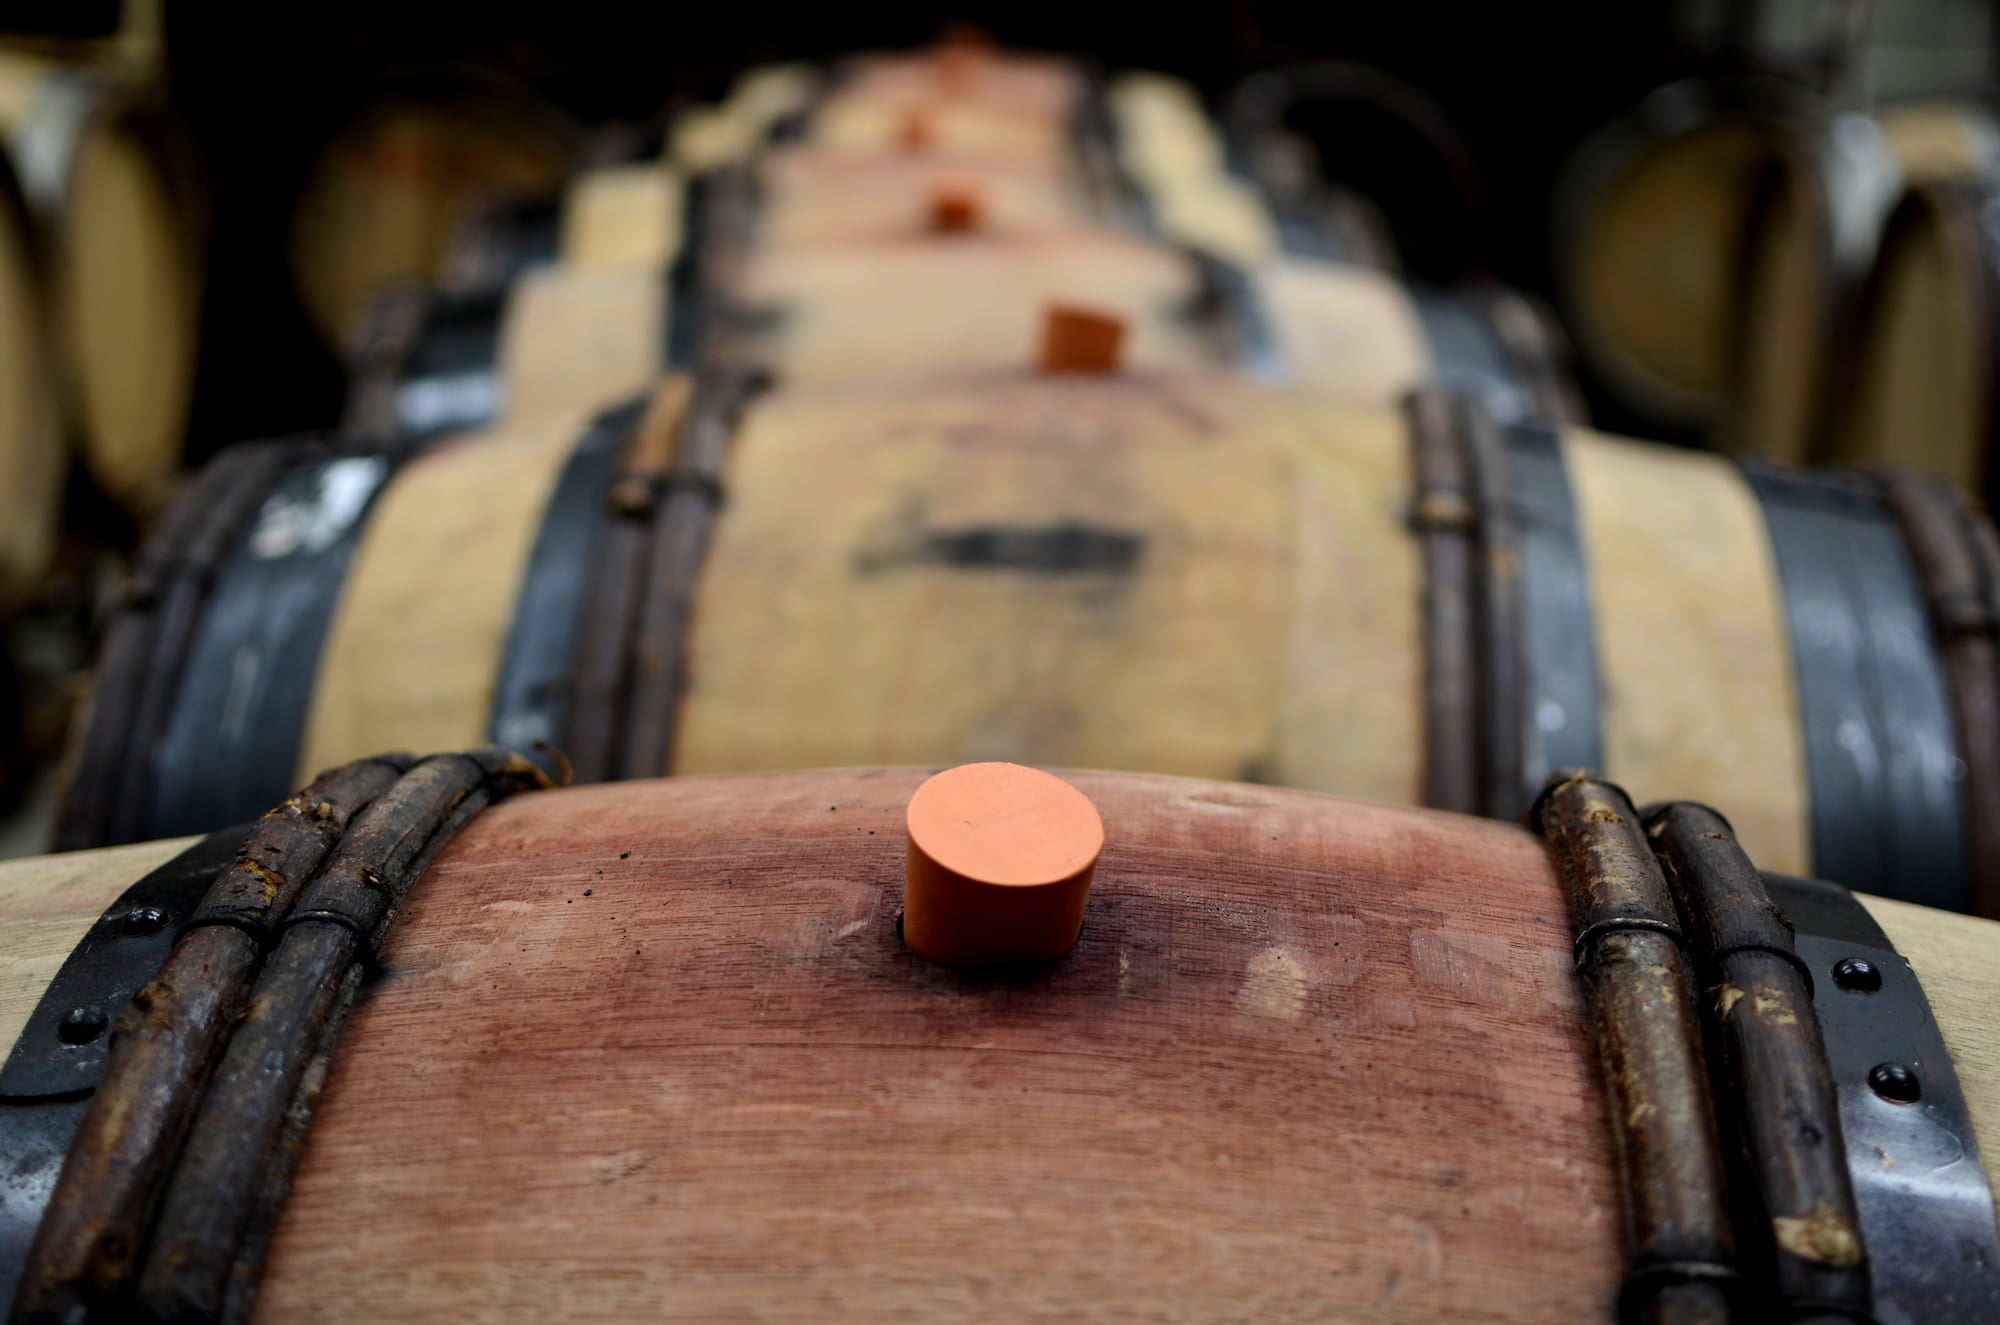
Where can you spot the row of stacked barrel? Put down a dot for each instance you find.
(966, 407)
(1054, 428)
(1793, 276)
(100, 220)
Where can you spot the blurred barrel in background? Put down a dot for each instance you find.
(33, 457)
(953, 253)
(1178, 571)
(1712, 245)
(1648, 235)
(110, 190)
(392, 186)
(1815, 223)
(758, 101)
(1920, 381)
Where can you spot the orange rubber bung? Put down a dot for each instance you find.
(956, 207)
(1081, 340)
(999, 868)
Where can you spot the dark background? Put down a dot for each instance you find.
(263, 85)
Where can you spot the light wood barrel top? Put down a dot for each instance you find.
(815, 197)
(966, 302)
(1694, 650)
(1179, 573)
(413, 655)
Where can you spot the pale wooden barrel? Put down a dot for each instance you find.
(960, 101)
(1180, 572)
(656, 1050)
(1650, 222)
(1918, 385)
(1814, 230)
(398, 179)
(110, 195)
(595, 319)
(33, 457)
(548, 308)
(709, 137)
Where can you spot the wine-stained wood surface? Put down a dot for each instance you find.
(654, 1049)
(1288, 1074)
(1142, 572)
(414, 652)
(848, 121)
(1694, 652)
(1038, 88)
(814, 197)
(954, 302)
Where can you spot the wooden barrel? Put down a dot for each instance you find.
(1918, 380)
(656, 1050)
(1649, 228)
(1180, 572)
(108, 189)
(33, 458)
(576, 331)
(958, 100)
(398, 179)
(709, 137)
(1815, 224)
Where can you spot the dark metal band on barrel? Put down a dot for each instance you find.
(1795, 1195)
(1115, 194)
(646, 555)
(691, 496)
(147, 643)
(1958, 561)
(1874, 702)
(164, 1201)
(1472, 618)
(1631, 957)
(1229, 308)
(1535, 351)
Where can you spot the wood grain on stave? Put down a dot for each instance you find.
(654, 1049)
(1285, 1076)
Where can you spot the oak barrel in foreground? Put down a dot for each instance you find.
(655, 1049)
